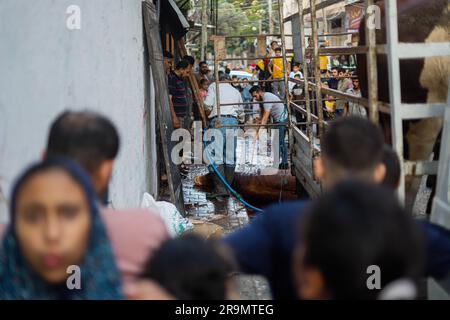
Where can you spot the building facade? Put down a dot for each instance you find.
(55, 56)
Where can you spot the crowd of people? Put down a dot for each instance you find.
(307, 249)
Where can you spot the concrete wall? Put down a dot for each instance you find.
(46, 68)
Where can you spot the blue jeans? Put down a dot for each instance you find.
(230, 158)
(282, 143)
(279, 88)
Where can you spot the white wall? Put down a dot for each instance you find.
(46, 68)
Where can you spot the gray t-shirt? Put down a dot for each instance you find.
(276, 107)
(354, 108)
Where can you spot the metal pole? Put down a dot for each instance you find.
(317, 66)
(204, 29)
(216, 75)
(217, 18)
(283, 49)
(269, 3)
(372, 75)
(394, 88)
(216, 72)
(325, 24)
(305, 75)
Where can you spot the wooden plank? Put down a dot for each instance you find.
(194, 85)
(302, 140)
(164, 117)
(300, 162)
(261, 45)
(305, 160)
(321, 5)
(220, 49)
(311, 187)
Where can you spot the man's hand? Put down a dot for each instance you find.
(176, 123)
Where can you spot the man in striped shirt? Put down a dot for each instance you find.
(178, 95)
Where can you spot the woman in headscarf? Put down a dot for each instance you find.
(54, 228)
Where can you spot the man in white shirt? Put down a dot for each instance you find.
(275, 109)
(231, 110)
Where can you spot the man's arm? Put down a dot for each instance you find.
(346, 108)
(269, 67)
(210, 99)
(264, 120)
(288, 65)
(175, 121)
(172, 89)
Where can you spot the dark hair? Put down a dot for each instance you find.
(86, 137)
(167, 55)
(203, 81)
(189, 59)
(355, 226)
(274, 41)
(234, 77)
(353, 144)
(278, 49)
(182, 64)
(227, 70)
(224, 77)
(393, 170)
(191, 268)
(255, 89)
(335, 68)
(202, 63)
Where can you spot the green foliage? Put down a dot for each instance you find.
(244, 17)
(184, 5)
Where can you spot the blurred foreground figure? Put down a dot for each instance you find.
(188, 268)
(347, 232)
(55, 223)
(92, 141)
(352, 148)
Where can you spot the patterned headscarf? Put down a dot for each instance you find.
(100, 277)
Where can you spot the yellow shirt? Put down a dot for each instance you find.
(261, 64)
(323, 62)
(330, 105)
(277, 68)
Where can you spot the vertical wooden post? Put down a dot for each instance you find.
(372, 75)
(204, 29)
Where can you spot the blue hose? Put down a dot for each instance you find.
(225, 183)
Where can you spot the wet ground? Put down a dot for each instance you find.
(231, 215)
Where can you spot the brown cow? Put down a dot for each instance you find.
(422, 80)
